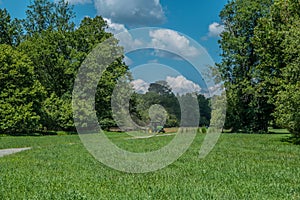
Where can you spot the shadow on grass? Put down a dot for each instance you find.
(291, 139)
(43, 133)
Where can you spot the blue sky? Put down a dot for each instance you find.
(196, 19)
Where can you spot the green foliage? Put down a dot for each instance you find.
(161, 93)
(10, 32)
(260, 64)
(20, 93)
(277, 46)
(205, 110)
(248, 108)
(55, 52)
(57, 113)
(55, 60)
(107, 123)
(287, 102)
(42, 15)
(287, 108)
(202, 130)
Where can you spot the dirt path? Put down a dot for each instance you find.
(4, 152)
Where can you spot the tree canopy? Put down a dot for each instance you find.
(260, 64)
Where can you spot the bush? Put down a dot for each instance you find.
(57, 113)
(107, 123)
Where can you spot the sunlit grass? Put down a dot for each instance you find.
(239, 167)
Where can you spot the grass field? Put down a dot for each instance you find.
(240, 167)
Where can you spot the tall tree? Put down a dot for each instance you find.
(277, 46)
(10, 30)
(57, 51)
(287, 102)
(239, 61)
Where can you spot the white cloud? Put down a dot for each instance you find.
(131, 12)
(180, 85)
(215, 29)
(115, 28)
(123, 35)
(140, 86)
(79, 1)
(169, 39)
(216, 89)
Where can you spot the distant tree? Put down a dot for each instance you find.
(190, 113)
(161, 93)
(160, 87)
(205, 110)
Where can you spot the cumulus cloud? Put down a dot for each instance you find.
(180, 85)
(79, 1)
(131, 12)
(215, 29)
(140, 86)
(123, 35)
(172, 40)
(115, 28)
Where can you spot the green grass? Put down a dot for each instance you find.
(240, 167)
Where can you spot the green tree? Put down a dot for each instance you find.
(57, 51)
(20, 93)
(287, 103)
(161, 93)
(160, 87)
(239, 61)
(10, 30)
(205, 110)
(57, 113)
(55, 58)
(277, 47)
(44, 14)
(90, 33)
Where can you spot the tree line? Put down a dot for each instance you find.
(260, 64)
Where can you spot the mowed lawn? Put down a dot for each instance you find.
(239, 167)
